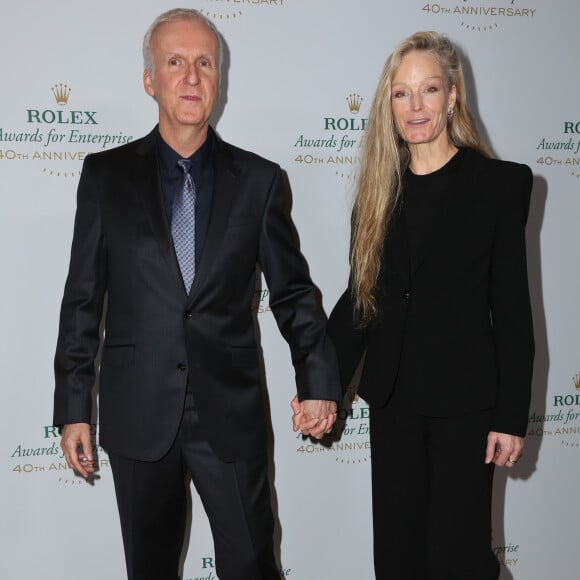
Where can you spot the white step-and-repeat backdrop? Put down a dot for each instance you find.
(298, 84)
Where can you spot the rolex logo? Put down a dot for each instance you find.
(576, 380)
(354, 101)
(61, 93)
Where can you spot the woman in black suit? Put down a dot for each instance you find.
(438, 298)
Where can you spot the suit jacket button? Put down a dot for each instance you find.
(406, 295)
(181, 367)
(187, 314)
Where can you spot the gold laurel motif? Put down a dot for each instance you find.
(61, 93)
(576, 380)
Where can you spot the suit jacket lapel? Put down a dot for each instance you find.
(396, 254)
(147, 183)
(226, 174)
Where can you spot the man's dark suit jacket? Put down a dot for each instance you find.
(157, 337)
(460, 318)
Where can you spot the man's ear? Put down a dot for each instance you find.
(148, 83)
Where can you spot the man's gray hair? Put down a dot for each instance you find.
(173, 16)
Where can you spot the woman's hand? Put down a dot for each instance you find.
(503, 449)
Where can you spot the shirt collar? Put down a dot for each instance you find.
(168, 157)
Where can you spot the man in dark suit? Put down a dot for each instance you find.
(171, 228)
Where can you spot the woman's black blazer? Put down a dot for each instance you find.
(460, 319)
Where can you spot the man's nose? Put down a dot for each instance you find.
(192, 74)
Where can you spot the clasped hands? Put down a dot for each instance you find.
(313, 417)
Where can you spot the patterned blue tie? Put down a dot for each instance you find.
(183, 225)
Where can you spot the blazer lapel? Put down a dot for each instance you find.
(147, 184)
(226, 174)
(399, 255)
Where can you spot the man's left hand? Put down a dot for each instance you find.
(313, 417)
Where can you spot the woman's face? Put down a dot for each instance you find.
(420, 100)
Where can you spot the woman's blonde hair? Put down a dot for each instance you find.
(385, 156)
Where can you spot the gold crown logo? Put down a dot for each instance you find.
(576, 380)
(354, 101)
(61, 93)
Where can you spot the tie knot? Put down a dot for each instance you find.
(184, 164)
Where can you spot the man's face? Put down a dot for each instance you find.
(185, 81)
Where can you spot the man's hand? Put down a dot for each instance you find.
(503, 449)
(78, 451)
(313, 417)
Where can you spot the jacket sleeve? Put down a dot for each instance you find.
(295, 301)
(349, 341)
(81, 309)
(510, 302)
